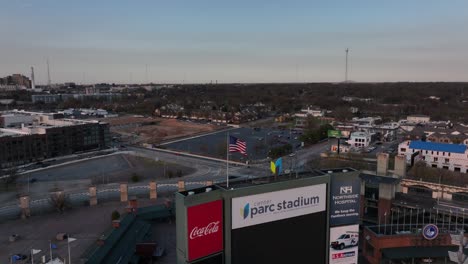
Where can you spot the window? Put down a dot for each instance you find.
(448, 154)
(445, 167)
(457, 169)
(432, 152)
(447, 160)
(436, 159)
(443, 153)
(403, 149)
(434, 166)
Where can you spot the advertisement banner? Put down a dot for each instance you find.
(205, 229)
(344, 200)
(344, 243)
(334, 133)
(273, 206)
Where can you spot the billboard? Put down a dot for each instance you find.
(334, 133)
(344, 243)
(205, 229)
(344, 200)
(273, 206)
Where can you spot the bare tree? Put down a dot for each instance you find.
(59, 200)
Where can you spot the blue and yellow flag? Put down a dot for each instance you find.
(276, 166)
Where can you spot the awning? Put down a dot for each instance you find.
(417, 252)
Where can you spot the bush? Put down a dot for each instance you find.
(115, 215)
(135, 178)
(170, 174)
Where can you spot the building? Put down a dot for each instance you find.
(15, 120)
(55, 98)
(418, 119)
(396, 211)
(440, 132)
(16, 80)
(452, 157)
(359, 139)
(301, 117)
(269, 221)
(47, 137)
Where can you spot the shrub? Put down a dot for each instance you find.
(135, 178)
(115, 215)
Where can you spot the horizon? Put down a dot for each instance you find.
(242, 42)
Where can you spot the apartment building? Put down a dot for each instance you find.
(453, 157)
(48, 138)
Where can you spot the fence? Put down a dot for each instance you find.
(43, 205)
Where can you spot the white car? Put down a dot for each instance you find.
(345, 240)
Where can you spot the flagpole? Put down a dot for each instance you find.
(69, 254)
(227, 160)
(32, 257)
(50, 247)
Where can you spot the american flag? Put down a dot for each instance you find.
(237, 145)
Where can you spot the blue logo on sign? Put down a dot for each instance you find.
(245, 212)
(430, 231)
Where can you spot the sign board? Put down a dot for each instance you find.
(344, 200)
(205, 229)
(334, 133)
(430, 231)
(278, 205)
(344, 244)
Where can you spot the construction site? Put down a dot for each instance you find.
(151, 130)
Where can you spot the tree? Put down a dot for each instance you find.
(135, 177)
(115, 215)
(10, 177)
(59, 201)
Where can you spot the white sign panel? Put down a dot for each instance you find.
(273, 206)
(344, 242)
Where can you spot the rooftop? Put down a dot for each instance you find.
(424, 145)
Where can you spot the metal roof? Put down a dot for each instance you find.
(423, 145)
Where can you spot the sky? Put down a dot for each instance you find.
(199, 41)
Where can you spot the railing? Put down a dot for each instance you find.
(42, 204)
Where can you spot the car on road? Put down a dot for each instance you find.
(292, 154)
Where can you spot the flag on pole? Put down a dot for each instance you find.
(35, 251)
(279, 165)
(272, 167)
(71, 239)
(237, 145)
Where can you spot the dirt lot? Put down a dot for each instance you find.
(155, 130)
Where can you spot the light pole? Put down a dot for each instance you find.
(385, 223)
(69, 253)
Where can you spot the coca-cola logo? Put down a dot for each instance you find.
(211, 228)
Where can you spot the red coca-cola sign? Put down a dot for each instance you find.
(205, 229)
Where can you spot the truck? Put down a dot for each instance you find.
(345, 240)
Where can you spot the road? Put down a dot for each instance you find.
(206, 169)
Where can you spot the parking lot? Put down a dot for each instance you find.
(259, 142)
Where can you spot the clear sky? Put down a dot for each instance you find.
(235, 41)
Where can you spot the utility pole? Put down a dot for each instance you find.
(49, 82)
(346, 66)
